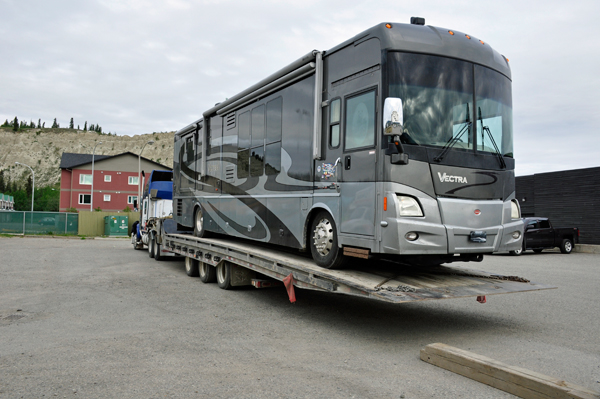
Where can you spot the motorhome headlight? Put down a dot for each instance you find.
(409, 206)
(515, 209)
(516, 235)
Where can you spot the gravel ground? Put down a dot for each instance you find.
(96, 319)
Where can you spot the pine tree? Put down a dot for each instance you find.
(31, 124)
(55, 125)
(78, 127)
(99, 130)
(92, 128)
(44, 125)
(16, 124)
(85, 126)
(6, 124)
(71, 124)
(2, 186)
(28, 186)
(39, 124)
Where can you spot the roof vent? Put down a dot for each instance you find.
(417, 21)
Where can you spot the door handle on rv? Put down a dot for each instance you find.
(347, 164)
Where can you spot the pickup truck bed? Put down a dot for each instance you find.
(540, 234)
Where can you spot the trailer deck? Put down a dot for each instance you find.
(380, 280)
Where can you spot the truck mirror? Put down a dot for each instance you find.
(135, 203)
(393, 117)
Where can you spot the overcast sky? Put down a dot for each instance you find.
(140, 66)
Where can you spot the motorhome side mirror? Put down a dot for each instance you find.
(135, 203)
(393, 117)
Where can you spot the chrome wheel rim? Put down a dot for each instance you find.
(203, 269)
(323, 237)
(568, 246)
(199, 220)
(221, 273)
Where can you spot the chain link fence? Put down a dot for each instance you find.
(14, 222)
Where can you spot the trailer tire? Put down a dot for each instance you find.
(199, 230)
(157, 255)
(324, 242)
(566, 246)
(223, 273)
(208, 273)
(191, 267)
(150, 246)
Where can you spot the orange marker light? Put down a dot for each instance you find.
(481, 41)
(385, 203)
(452, 33)
(389, 26)
(468, 37)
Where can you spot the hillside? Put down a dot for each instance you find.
(41, 149)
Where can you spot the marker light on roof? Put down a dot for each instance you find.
(452, 33)
(481, 41)
(468, 37)
(389, 26)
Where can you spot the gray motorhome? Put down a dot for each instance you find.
(396, 143)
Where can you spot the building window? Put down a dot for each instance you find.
(134, 180)
(85, 199)
(107, 178)
(131, 198)
(85, 179)
(106, 197)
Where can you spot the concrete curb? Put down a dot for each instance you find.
(587, 248)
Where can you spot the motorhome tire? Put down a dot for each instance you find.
(223, 273)
(324, 243)
(191, 267)
(199, 230)
(208, 273)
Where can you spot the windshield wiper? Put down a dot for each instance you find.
(496, 150)
(453, 140)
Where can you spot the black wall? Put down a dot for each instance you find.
(569, 198)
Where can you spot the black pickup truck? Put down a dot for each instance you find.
(540, 235)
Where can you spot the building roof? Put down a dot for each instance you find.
(71, 160)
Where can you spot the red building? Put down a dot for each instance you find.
(115, 180)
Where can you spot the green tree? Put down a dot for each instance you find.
(44, 125)
(16, 124)
(28, 186)
(39, 123)
(92, 128)
(71, 126)
(6, 124)
(2, 185)
(85, 126)
(31, 124)
(55, 125)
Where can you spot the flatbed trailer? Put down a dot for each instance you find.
(239, 262)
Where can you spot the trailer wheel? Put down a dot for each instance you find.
(157, 255)
(199, 230)
(566, 246)
(150, 246)
(224, 275)
(208, 273)
(324, 243)
(191, 267)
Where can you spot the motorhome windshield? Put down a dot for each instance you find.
(445, 98)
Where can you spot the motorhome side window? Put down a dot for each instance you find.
(259, 140)
(243, 145)
(189, 150)
(257, 132)
(334, 123)
(273, 141)
(360, 121)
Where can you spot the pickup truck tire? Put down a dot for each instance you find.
(519, 251)
(191, 267)
(224, 275)
(157, 250)
(538, 250)
(151, 246)
(208, 273)
(324, 243)
(566, 246)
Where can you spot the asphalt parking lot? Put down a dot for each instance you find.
(96, 319)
